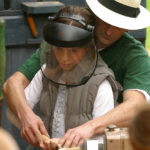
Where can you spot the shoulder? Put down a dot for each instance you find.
(127, 49)
(105, 90)
(127, 43)
(31, 66)
(105, 85)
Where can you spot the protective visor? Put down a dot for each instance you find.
(64, 35)
(69, 66)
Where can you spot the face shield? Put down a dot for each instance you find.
(68, 55)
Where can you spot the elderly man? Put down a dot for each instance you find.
(123, 54)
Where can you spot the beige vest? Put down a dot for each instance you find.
(80, 99)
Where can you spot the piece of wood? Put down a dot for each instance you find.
(72, 148)
(54, 140)
(15, 121)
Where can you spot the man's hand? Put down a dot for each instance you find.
(119, 116)
(76, 136)
(32, 127)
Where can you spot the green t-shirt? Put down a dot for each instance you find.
(31, 66)
(127, 58)
(130, 62)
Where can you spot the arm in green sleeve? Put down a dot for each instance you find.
(31, 66)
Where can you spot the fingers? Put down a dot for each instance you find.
(43, 134)
(81, 141)
(43, 129)
(32, 135)
(50, 145)
(26, 137)
(76, 141)
(44, 139)
(37, 135)
(31, 131)
(55, 140)
(66, 141)
(71, 139)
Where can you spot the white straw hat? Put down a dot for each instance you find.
(126, 14)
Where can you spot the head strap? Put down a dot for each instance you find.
(77, 18)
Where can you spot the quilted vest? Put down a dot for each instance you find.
(80, 99)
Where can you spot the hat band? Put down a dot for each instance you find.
(120, 8)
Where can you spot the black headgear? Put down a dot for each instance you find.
(63, 35)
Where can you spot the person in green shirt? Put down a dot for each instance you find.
(124, 55)
(126, 61)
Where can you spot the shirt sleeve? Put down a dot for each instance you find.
(147, 96)
(104, 102)
(137, 71)
(31, 66)
(33, 90)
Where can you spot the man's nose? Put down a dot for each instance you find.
(108, 30)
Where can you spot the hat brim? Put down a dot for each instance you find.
(121, 21)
